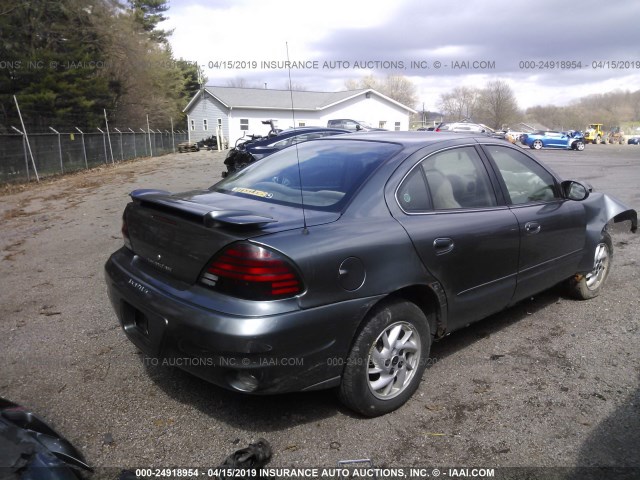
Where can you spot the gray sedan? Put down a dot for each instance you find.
(337, 263)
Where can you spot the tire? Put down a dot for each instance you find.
(579, 145)
(597, 140)
(584, 287)
(379, 378)
(537, 144)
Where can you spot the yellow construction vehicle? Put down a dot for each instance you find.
(616, 135)
(594, 133)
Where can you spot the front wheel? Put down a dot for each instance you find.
(387, 359)
(579, 145)
(537, 144)
(584, 287)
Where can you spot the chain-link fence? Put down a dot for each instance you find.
(56, 153)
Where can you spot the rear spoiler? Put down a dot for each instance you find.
(210, 217)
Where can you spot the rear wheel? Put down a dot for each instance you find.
(584, 287)
(537, 144)
(387, 359)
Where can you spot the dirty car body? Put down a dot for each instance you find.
(337, 263)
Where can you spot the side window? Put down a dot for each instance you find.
(525, 179)
(412, 194)
(457, 178)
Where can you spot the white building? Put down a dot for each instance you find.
(240, 111)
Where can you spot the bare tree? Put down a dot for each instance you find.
(401, 90)
(396, 87)
(241, 82)
(497, 105)
(459, 104)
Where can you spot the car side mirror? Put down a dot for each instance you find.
(358, 128)
(574, 190)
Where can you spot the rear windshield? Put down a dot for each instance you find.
(330, 172)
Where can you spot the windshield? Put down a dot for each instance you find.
(331, 172)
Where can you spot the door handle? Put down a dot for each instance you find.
(443, 245)
(532, 228)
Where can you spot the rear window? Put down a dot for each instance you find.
(330, 172)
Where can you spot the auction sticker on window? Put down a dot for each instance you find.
(251, 191)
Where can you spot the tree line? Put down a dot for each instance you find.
(496, 106)
(67, 61)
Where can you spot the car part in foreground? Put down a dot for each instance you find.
(31, 449)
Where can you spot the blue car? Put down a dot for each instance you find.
(550, 139)
(634, 141)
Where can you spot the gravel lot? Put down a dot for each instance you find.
(550, 382)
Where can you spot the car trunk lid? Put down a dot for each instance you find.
(178, 234)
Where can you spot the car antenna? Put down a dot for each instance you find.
(293, 116)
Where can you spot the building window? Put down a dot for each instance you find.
(193, 124)
(381, 123)
(205, 127)
(219, 123)
(302, 124)
(397, 126)
(244, 124)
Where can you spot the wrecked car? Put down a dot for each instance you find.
(337, 264)
(571, 140)
(256, 148)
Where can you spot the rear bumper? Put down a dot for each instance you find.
(287, 350)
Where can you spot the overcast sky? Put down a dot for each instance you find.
(474, 41)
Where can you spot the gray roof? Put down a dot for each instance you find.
(262, 98)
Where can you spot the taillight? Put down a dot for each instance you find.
(125, 234)
(248, 271)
